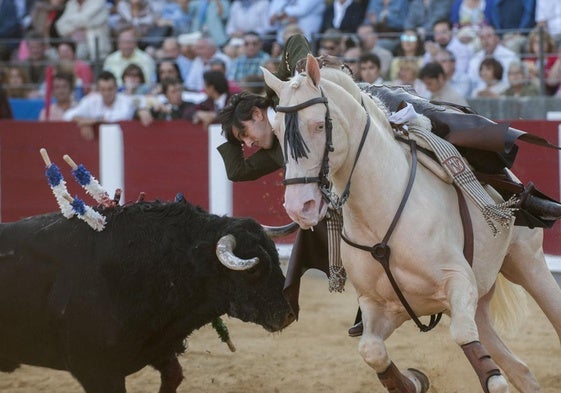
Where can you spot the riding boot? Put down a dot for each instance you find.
(356, 329)
(543, 208)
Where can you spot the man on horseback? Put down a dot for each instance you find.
(489, 148)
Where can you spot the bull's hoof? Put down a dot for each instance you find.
(422, 378)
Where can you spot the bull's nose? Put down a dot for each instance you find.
(290, 317)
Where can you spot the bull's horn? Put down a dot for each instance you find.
(225, 253)
(280, 231)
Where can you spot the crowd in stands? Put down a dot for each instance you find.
(111, 60)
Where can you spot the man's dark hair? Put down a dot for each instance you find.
(107, 76)
(218, 80)
(240, 108)
(370, 57)
(66, 76)
(174, 64)
(443, 20)
(495, 65)
(431, 70)
(167, 82)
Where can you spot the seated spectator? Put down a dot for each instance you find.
(514, 18)
(407, 75)
(106, 105)
(178, 15)
(331, 43)
(86, 22)
(37, 59)
(432, 75)
(370, 69)
(172, 107)
(248, 16)
(16, 82)
(218, 65)
(469, 13)
(128, 52)
(136, 14)
(171, 50)
(369, 43)
(216, 89)
(134, 83)
(444, 38)
(166, 69)
(211, 17)
(206, 50)
(234, 48)
(491, 73)
(63, 88)
(350, 58)
(490, 47)
(532, 58)
(519, 82)
(343, 15)
(249, 62)
(83, 73)
(458, 80)
(410, 46)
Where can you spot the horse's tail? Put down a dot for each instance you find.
(509, 305)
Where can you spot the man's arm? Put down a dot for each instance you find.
(260, 163)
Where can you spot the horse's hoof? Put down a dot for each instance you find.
(422, 378)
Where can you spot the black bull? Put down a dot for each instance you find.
(103, 305)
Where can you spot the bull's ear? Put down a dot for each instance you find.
(312, 69)
(272, 81)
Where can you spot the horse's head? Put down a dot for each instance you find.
(303, 127)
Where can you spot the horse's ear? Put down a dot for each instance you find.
(272, 81)
(312, 69)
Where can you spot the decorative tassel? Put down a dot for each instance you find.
(89, 183)
(220, 327)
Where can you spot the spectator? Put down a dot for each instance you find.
(516, 16)
(63, 87)
(370, 69)
(351, 58)
(253, 58)
(343, 15)
(432, 75)
(178, 15)
(387, 16)
(458, 80)
(172, 50)
(469, 13)
(83, 73)
(37, 60)
(424, 13)
(166, 69)
(369, 43)
(218, 65)
(548, 15)
(490, 47)
(16, 81)
(491, 73)
(216, 89)
(128, 52)
(134, 83)
(136, 14)
(10, 29)
(234, 48)
(410, 46)
(532, 59)
(206, 50)
(331, 43)
(519, 81)
(407, 75)
(103, 106)
(187, 44)
(173, 106)
(210, 16)
(245, 16)
(306, 14)
(86, 22)
(444, 39)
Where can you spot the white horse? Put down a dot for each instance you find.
(427, 259)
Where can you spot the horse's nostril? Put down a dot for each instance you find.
(308, 206)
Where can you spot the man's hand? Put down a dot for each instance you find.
(87, 132)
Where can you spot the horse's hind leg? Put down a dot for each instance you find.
(525, 265)
(516, 371)
(462, 296)
(377, 328)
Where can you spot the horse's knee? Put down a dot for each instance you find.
(497, 384)
(374, 353)
(463, 329)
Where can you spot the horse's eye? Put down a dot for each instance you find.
(320, 127)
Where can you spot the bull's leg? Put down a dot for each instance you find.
(516, 371)
(171, 374)
(100, 381)
(525, 265)
(377, 328)
(462, 296)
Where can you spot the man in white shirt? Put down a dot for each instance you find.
(444, 38)
(103, 106)
(206, 50)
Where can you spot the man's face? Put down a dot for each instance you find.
(489, 40)
(167, 70)
(442, 34)
(367, 36)
(108, 91)
(369, 72)
(61, 90)
(127, 43)
(173, 94)
(448, 65)
(36, 50)
(257, 132)
(434, 84)
(252, 45)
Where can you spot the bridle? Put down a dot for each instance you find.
(293, 140)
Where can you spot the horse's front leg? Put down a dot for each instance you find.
(463, 297)
(378, 326)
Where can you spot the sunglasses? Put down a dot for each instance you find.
(408, 38)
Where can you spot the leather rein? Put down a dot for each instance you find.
(381, 251)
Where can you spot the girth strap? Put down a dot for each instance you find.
(381, 251)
